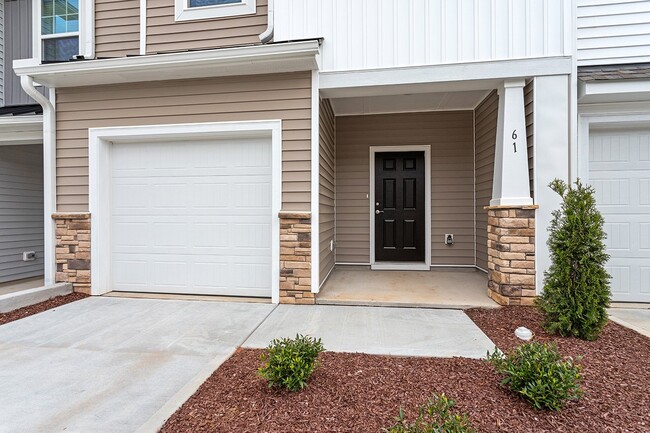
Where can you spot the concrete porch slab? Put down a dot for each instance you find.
(111, 364)
(438, 288)
(377, 330)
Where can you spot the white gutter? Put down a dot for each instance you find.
(49, 172)
(268, 33)
(256, 59)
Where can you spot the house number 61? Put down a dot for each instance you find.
(514, 137)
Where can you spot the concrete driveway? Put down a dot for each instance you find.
(110, 364)
(637, 319)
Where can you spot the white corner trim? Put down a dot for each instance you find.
(143, 27)
(36, 32)
(100, 142)
(427, 203)
(315, 183)
(87, 28)
(183, 12)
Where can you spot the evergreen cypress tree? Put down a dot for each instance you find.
(576, 285)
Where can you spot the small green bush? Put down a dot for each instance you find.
(435, 416)
(539, 374)
(290, 362)
(576, 286)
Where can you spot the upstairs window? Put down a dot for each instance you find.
(59, 29)
(205, 9)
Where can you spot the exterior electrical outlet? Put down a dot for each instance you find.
(28, 256)
(449, 239)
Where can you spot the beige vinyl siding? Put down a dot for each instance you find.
(327, 176)
(450, 135)
(164, 34)
(529, 92)
(485, 115)
(259, 97)
(117, 28)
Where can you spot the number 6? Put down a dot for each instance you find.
(514, 134)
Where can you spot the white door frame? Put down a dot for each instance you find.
(99, 146)
(411, 266)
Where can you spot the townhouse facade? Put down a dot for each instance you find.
(251, 147)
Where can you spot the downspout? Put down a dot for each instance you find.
(268, 33)
(49, 173)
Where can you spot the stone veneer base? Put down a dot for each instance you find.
(511, 254)
(73, 249)
(295, 258)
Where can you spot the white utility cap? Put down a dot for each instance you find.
(524, 333)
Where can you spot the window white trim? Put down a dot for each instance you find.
(86, 33)
(417, 266)
(186, 13)
(100, 142)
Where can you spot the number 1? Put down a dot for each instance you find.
(514, 137)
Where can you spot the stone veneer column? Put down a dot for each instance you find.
(511, 254)
(73, 249)
(295, 258)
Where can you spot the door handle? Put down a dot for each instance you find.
(378, 211)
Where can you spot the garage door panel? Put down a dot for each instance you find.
(619, 163)
(192, 217)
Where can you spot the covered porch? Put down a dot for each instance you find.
(410, 189)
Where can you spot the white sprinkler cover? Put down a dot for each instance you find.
(523, 333)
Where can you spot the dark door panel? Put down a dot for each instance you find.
(399, 207)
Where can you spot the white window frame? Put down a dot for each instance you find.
(86, 32)
(184, 12)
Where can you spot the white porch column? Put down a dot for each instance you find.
(511, 185)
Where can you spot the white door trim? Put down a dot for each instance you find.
(417, 266)
(99, 146)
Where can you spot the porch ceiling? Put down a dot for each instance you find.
(438, 101)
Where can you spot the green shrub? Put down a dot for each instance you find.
(576, 286)
(435, 416)
(539, 374)
(290, 362)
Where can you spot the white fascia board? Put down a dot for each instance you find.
(249, 60)
(21, 130)
(613, 91)
(464, 76)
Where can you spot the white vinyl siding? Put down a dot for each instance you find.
(613, 31)
(619, 171)
(192, 217)
(21, 211)
(368, 34)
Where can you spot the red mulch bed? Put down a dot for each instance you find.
(362, 393)
(21, 313)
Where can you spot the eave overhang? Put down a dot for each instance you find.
(246, 60)
(606, 91)
(16, 130)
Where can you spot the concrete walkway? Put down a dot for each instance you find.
(124, 365)
(109, 364)
(377, 330)
(637, 319)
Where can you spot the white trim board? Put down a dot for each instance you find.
(427, 203)
(99, 143)
(183, 11)
(315, 183)
(254, 59)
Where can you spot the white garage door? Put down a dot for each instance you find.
(619, 171)
(192, 217)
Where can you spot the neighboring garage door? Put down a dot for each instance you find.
(619, 170)
(192, 217)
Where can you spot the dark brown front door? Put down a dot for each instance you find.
(399, 207)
